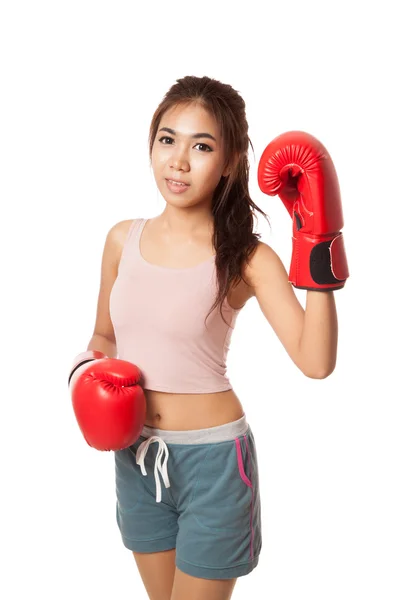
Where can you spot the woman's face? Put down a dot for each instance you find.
(178, 156)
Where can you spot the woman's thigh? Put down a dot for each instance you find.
(187, 587)
(157, 570)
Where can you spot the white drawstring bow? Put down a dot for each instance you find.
(158, 466)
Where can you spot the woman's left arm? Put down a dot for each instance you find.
(319, 337)
(297, 167)
(309, 336)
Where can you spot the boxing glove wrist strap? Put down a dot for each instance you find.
(83, 358)
(318, 262)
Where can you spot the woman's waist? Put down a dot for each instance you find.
(191, 411)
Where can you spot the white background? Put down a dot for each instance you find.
(80, 81)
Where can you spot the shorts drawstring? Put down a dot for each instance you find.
(158, 466)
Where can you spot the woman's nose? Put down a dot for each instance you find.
(179, 160)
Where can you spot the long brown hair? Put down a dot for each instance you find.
(232, 207)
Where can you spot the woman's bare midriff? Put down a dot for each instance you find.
(191, 411)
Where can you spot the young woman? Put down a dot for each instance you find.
(171, 290)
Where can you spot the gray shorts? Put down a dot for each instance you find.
(196, 491)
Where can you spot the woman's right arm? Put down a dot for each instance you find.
(102, 344)
(103, 338)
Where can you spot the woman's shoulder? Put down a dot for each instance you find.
(117, 236)
(120, 230)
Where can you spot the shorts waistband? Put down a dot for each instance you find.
(220, 433)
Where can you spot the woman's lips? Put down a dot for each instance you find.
(176, 188)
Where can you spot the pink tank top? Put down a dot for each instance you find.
(158, 316)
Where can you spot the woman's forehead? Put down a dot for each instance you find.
(190, 120)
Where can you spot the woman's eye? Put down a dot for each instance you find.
(165, 137)
(205, 146)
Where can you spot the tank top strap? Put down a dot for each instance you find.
(130, 254)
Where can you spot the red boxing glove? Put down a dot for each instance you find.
(297, 167)
(108, 403)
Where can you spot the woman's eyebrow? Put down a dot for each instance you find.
(194, 136)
